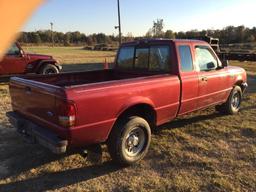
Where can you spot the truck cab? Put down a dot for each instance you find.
(205, 80)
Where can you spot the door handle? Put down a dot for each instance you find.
(204, 79)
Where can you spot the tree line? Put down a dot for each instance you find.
(227, 35)
(66, 39)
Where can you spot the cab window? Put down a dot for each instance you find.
(151, 58)
(14, 50)
(159, 58)
(125, 57)
(205, 59)
(142, 58)
(185, 58)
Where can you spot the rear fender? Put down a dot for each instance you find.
(133, 102)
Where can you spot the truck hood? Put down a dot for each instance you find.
(240, 72)
(39, 56)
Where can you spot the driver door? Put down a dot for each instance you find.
(13, 62)
(212, 80)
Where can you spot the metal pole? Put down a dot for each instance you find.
(119, 23)
(52, 34)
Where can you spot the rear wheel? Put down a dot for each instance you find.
(129, 140)
(49, 69)
(233, 104)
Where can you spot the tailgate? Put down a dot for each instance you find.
(37, 101)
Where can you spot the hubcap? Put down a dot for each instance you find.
(134, 142)
(236, 101)
(49, 71)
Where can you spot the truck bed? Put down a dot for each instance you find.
(66, 80)
(39, 99)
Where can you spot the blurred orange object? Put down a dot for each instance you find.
(13, 14)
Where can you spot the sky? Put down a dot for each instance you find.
(95, 16)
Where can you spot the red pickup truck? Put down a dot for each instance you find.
(153, 82)
(16, 61)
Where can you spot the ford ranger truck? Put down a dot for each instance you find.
(152, 83)
(17, 61)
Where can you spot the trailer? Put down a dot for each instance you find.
(228, 55)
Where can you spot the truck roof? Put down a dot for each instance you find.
(155, 41)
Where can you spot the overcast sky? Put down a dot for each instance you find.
(94, 16)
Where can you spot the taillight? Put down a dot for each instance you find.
(67, 114)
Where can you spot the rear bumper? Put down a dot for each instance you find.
(38, 134)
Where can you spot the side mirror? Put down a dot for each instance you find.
(22, 54)
(211, 66)
(225, 63)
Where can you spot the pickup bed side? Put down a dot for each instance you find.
(161, 93)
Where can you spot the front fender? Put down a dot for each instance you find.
(43, 62)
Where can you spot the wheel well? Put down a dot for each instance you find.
(142, 110)
(240, 84)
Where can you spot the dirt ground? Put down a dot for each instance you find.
(203, 151)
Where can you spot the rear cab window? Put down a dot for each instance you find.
(125, 58)
(153, 58)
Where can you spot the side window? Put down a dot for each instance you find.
(205, 59)
(185, 58)
(142, 57)
(159, 58)
(125, 57)
(14, 50)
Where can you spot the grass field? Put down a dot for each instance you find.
(203, 151)
(75, 58)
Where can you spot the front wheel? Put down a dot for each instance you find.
(49, 69)
(233, 104)
(129, 140)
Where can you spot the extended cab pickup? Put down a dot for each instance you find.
(17, 61)
(153, 82)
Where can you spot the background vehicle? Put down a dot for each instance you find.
(153, 82)
(229, 55)
(16, 61)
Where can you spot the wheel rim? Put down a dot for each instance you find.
(49, 71)
(236, 100)
(135, 142)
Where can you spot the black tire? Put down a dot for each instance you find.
(49, 69)
(233, 104)
(129, 140)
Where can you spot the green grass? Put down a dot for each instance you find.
(203, 151)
